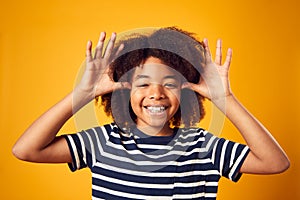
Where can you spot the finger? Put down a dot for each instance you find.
(207, 53)
(99, 47)
(121, 47)
(116, 54)
(88, 53)
(228, 58)
(218, 59)
(110, 46)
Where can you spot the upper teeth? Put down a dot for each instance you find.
(156, 108)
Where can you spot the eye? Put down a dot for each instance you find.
(142, 85)
(171, 85)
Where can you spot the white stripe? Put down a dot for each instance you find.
(83, 147)
(152, 157)
(138, 152)
(104, 133)
(156, 174)
(77, 161)
(96, 198)
(224, 147)
(190, 129)
(139, 196)
(193, 133)
(155, 146)
(129, 195)
(156, 186)
(92, 149)
(237, 162)
(211, 140)
(128, 142)
(116, 135)
(196, 184)
(214, 152)
(172, 163)
(233, 154)
(193, 161)
(98, 141)
(133, 184)
(191, 196)
(201, 139)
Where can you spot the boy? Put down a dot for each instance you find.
(153, 86)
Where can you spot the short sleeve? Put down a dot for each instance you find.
(228, 157)
(82, 149)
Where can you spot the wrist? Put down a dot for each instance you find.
(220, 98)
(220, 102)
(80, 98)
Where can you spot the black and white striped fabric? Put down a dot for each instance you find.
(132, 165)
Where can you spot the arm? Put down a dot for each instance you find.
(266, 156)
(39, 142)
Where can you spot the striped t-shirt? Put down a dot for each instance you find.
(133, 165)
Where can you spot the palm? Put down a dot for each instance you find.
(214, 82)
(95, 80)
(97, 76)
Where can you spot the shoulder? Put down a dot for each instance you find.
(103, 129)
(198, 138)
(196, 133)
(94, 133)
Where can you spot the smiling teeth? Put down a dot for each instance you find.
(156, 109)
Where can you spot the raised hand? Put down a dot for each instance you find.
(96, 80)
(214, 81)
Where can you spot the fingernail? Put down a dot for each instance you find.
(102, 35)
(113, 35)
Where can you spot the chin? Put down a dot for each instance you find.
(158, 123)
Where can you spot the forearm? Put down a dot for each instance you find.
(44, 130)
(39, 142)
(263, 146)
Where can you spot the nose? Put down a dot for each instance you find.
(156, 92)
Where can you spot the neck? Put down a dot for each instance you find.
(156, 131)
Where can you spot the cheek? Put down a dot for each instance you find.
(135, 98)
(176, 95)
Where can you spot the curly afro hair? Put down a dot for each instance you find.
(177, 49)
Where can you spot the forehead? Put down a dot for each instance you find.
(155, 71)
(154, 68)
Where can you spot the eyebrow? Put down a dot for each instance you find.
(140, 76)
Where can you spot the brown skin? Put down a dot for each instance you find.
(155, 85)
(39, 142)
(135, 54)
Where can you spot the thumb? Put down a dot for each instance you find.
(122, 85)
(188, 85)
(200, 89)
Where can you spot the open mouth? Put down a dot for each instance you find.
(156, 109)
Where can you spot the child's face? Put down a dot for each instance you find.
(155, 93)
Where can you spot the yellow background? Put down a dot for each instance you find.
(42, 45)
